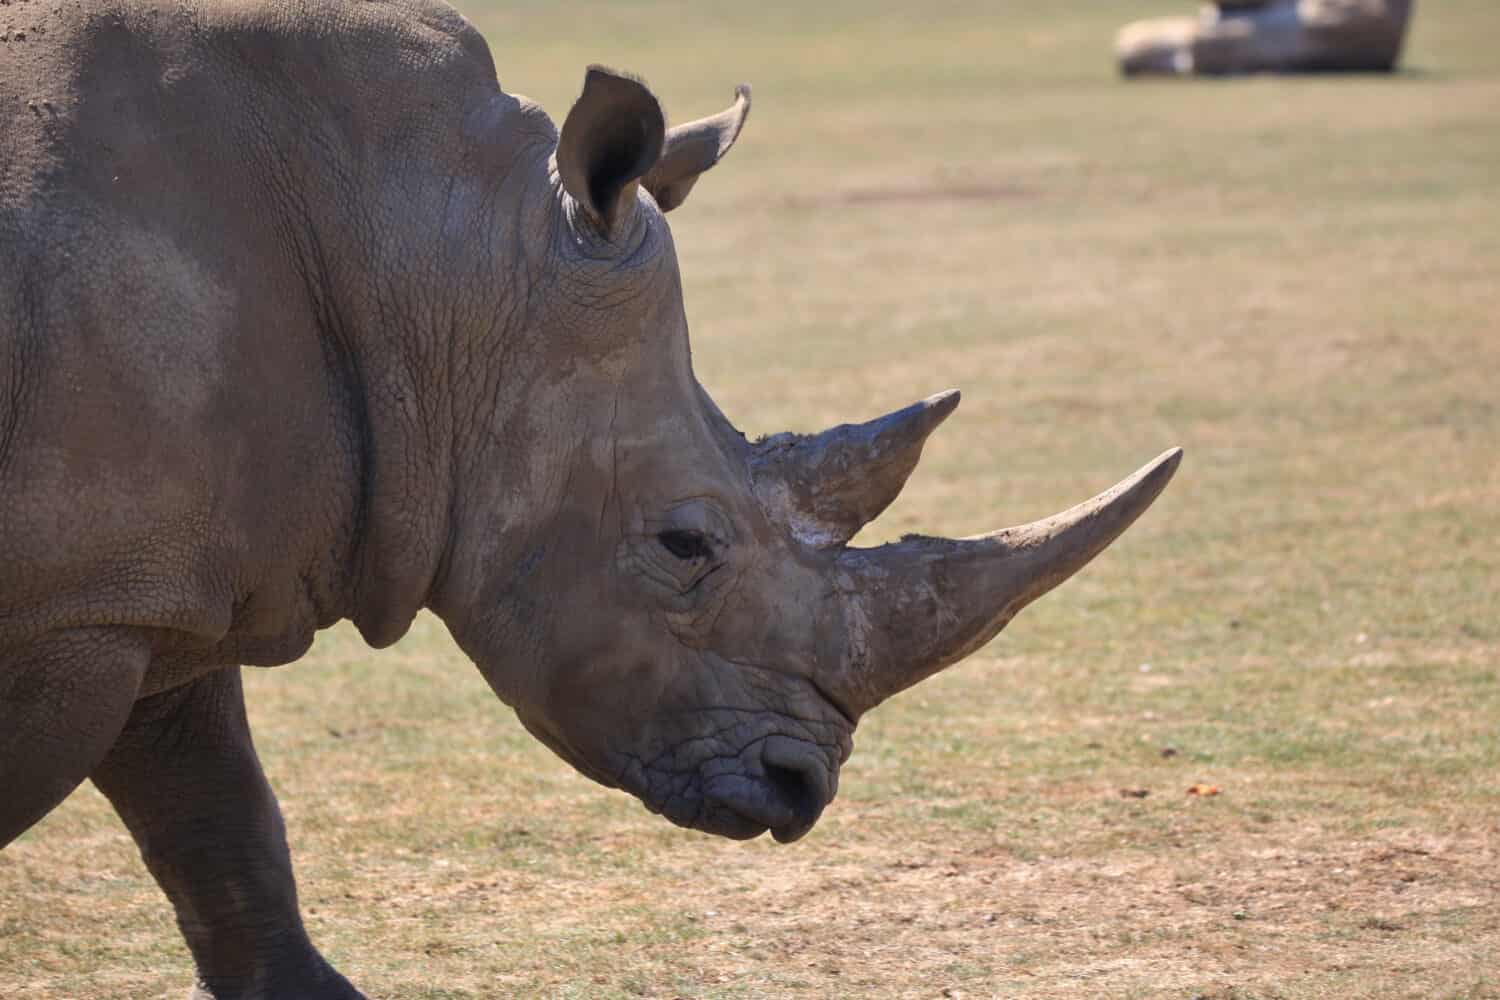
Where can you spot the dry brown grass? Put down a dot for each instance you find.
(1295, 279)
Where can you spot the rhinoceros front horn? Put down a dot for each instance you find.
(827, 486)
(913, 607)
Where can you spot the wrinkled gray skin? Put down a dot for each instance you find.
(303, 319)
(1268, 36)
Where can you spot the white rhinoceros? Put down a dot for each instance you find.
(1268, 36)
(302, 318)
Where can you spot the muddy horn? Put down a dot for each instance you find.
(827, 486)
(916, 606)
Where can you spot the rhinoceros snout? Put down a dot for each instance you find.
(786, 796)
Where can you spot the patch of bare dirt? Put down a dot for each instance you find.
(1283, 914)
(1249, 916)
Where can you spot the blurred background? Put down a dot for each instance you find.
(1296, 278)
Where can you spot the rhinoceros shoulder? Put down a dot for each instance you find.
(177, 184)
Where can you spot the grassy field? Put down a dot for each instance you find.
(1296, 280)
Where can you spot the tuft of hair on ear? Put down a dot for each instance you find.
(612, 137)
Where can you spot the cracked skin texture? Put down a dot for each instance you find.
(302, 318)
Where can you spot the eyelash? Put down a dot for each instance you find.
(685, 545)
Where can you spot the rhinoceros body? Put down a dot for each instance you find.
(302, 319)
(1268, 36)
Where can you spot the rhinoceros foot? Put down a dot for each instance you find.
(324, 984)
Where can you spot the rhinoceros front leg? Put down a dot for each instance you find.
(63, 698)
(185, 778)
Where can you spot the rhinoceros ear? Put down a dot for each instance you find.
(612, 136)
(692, 148)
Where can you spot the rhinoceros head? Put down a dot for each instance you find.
(676, 610)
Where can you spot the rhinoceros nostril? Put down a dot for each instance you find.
(799, 782)
(797, 791)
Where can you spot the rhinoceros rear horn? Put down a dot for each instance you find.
(612, 136)
(692, 148)
(827, 486)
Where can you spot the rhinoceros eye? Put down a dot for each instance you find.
(685, 544)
